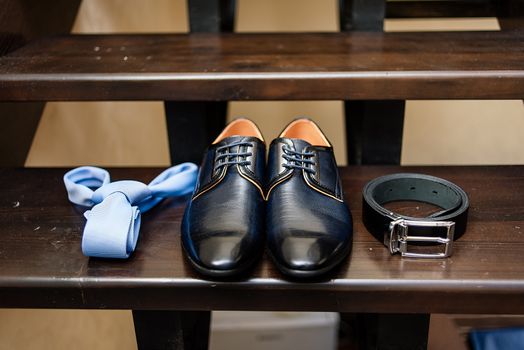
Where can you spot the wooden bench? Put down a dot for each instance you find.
(41, 264)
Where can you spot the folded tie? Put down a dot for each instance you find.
(113, 224)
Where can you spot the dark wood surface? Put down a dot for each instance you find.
(24, 20)
(510, 14)
(21, 22)
(363, 65)
(445, 8)
(18, 124)
(41, 264)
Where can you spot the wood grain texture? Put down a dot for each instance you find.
(41, 264)
(210, 67)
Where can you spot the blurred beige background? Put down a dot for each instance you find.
(133, 133)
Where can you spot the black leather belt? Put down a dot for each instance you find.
(397, 231)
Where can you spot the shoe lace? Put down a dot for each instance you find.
(228, 156)
(298, 160)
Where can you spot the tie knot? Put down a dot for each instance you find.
(134, 191)
(113, 224)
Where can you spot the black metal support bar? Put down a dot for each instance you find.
(191, 126)
(373, 128)
(362, 15)
(211, 16)
(188, 330)
(393, 331)
(21, 22)
(510, 14)
(374, 131)
(19, 123)
(435, 9)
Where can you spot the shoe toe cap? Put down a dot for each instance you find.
(224, 254)
(308, 253)
(220, 253)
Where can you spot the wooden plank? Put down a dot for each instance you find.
(198, 67)
(41, 264)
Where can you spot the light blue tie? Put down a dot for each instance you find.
(113, 224)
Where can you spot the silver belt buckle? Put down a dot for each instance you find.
(398, 238)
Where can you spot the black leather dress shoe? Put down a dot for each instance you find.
(223, 225)
(309, 227)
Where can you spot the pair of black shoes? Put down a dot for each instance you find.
(295, 203)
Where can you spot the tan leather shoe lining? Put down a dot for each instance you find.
(240, 127)
(306, 130)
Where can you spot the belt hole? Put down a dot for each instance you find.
(412, 188)
(435, 192)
